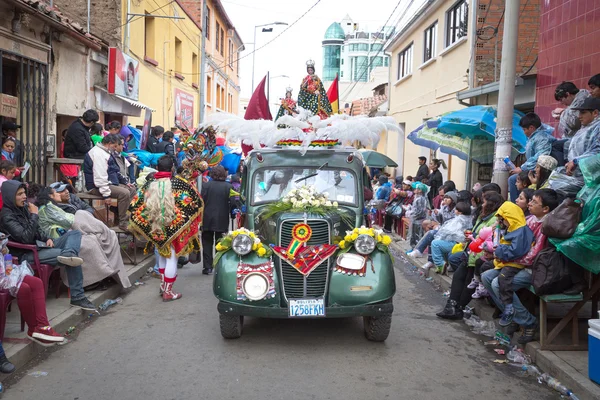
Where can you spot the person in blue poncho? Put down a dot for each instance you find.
(384, 190)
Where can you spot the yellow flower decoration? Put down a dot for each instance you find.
(363, 231)
(348, 238)
(234, 233)
(252, 235)
(255, 246)
(261, 251)
(355, 231)
(354, 236)
(386, 240)
(371, 233)
(342, 244)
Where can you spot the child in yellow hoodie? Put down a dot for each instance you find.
(515, 240)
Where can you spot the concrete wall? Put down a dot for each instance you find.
(428, 92)
(105, 17)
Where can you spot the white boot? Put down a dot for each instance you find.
(415, 254)
(168, 294)
(162, 282)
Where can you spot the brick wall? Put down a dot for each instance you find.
(569, 48)
(193, 8)
(490, 17)
(105, 17)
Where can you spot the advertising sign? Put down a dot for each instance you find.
(8, 105)
(123, 74)
(184, 109)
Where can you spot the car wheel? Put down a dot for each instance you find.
(231, 326)
(377, 329)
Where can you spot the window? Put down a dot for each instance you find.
(376, 47)
(231, 54)
(405, 62)
(456, 22)
(429, 48)
(149, 26)
(207, 32)
(342, 60)
(178, 55)
(218, 104)
(218, 38)
(386, 62)
(195, 74)
(208, 90)
(221, 49)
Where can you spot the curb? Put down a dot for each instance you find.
(548, 361)
(21, 354)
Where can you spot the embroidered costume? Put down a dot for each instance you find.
(312, 94)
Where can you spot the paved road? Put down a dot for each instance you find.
(147, 349)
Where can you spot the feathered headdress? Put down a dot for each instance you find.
(201, 151)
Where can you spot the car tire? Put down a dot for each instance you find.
(377, 329)
(231, 326)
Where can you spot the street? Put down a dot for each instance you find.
(144, 348)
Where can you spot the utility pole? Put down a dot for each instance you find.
(202, 78)
(506, 97)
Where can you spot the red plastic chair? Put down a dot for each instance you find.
(43, 271)
(5, 301)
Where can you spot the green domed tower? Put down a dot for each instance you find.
(332, 51)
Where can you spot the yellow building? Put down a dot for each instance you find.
(430, 63)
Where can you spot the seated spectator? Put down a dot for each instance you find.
(571, 97)
(167, 145)
(6, 367)
(417, 212)
(96, 133)
(476, 187)
(154, 139)
(568, 180)
(402, 196)
(124, 161)
(446, 210)
(449, 186)
(523, 200)
(464, 281)
(385, 189)
(543, 169)
(523, 180)
(113, 127)
(464, 196)
(8, 154)
(103, 177)
(31, 298)
(503, 284)
(449, 235)
(539, 142)
(21, 222)
(7, 172)
(69, 202)
(594, 84)
(77, 139)
(437, 200)
(99, 245)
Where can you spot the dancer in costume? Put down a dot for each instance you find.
(167, 211)
(312, 94)
(288, 105)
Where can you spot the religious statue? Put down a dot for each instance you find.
(312, 94)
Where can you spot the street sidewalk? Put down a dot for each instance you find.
(569, 367)
(20, 350)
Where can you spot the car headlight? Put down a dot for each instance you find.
(242, 244)
(364, 244)
(255, 286)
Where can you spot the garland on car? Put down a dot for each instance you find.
(253, 242)
(382, 241)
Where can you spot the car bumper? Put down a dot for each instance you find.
(367, 310)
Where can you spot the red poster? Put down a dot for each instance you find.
(184, 109)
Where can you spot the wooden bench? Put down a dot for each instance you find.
(546, 338)
(134, 260)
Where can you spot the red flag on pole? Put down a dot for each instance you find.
(258, 108)
(333, 95)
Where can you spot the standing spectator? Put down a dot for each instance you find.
(217, 206)
(569, 96)
(423, 171)
(103, 177)
(8, 153)
(77, 140)
(417, 212)
(167, 145)
(113, 127)
(155, 135)
(594, 84)
(70, 172)
(435, 179)
(539, 142)
(9, 129)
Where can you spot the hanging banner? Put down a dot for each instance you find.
(123, 77)
(184, 109)
(8, 106)
(146, 129)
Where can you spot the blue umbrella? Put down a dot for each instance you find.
(479, 123)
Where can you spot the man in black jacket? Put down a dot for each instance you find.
(68, 201)
(154, 139)
(167, 145)
(77, 140)
(20, 220)
(423, 171)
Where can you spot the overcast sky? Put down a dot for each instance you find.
(288, 54)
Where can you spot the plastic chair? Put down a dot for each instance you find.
(5, 302)
(43, 271)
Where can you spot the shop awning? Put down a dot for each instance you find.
(115, 104)
(135, 103)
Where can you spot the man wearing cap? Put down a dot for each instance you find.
(423, 171)
(539, 142)
(9, 129)
(571, 97)
(69, 202)
(78, 140)
(585, 143)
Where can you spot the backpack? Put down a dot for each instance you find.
(551, 272)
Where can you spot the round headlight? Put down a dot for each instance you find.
(255, 286)
(242, 244)
(364, 244)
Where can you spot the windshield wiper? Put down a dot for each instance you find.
(311, 175)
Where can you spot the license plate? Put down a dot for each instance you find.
(306, 308)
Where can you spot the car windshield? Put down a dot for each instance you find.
(270, 185)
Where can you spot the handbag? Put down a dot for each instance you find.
(394, 209)
(563, 220)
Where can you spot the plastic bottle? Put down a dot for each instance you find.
(531, 370)
(8, 264)
(104, 306)
(497, 235)
(556, 385)
(509, 163)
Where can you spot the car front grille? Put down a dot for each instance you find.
(295, 284)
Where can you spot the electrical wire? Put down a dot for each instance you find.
(136, 18)
(177, 26)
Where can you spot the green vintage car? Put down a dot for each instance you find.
(358, 283)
